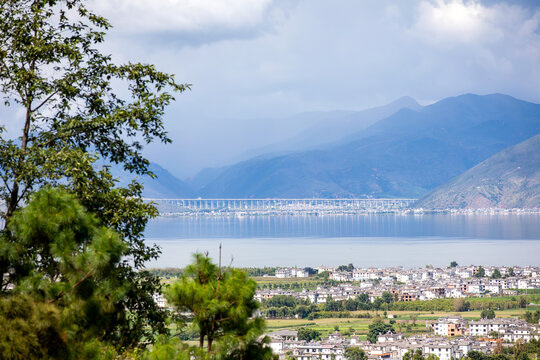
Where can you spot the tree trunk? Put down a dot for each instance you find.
(14, 195)
(209, 343)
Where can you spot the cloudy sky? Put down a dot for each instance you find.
(254, 61)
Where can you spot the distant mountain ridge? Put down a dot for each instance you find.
(165, 185)
(404, 155)
(326, 128)
(508, 179)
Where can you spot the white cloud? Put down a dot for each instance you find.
(143, 16)
(248, 62)
(456, 22)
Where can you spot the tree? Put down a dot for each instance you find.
(68, 290)
(461, 305)
(531, 317)
(387, 297)
(520, 350)
(331, 304)
(453, 264)
(221, 302)
(413, 355)
(74, 115)
(377, 303)
(487, 314)
(496, 274)
(476, 355)
(511, 272)
(302, 311)
(480, 273)
(308, 334)
(355, 353)
(377, 328)
(498, 350)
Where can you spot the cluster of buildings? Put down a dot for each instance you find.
(388, 346)
(283, 273)
(318, 296)
(414, 284)
(507, 329)
(451, 338)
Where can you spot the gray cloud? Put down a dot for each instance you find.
(268, 60)
(192, 22)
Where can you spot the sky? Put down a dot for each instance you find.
(254, 63)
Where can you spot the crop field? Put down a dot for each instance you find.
(407, 322)
(347, 326)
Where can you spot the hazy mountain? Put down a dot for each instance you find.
(319, 128)
(165, 185)
(331, 126)
(403, 155)
(508, 179)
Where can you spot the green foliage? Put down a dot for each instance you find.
(168, 272)
(73, 116)
(533, 347)
(476, 355)
(496, 274)
(280, 301)
(170, 348)
(246, 347)
(253, 271)
(348, 268)
(221, 302)
(461, 305)
(303, 311)
(323, 275)
(377, 328)
(413, 355)
(64, 266)
(355, 353)
(69, 92)
(453, 264)
(30, 329)
(531, 317)
(520, 350)
(332, 305)
(480, 273)
(387, 297)
(487, 314)
(308, 334)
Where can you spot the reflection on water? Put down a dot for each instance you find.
(364, 240)
(470, 226)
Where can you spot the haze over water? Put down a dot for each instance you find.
(364, 240)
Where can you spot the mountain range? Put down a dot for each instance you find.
(406, 153)
(508, 179)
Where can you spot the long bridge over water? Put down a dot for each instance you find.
(279, 205)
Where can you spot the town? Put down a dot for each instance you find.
(410, 284)
(448, 337)
(444, 313)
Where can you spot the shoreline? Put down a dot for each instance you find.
(413, 212)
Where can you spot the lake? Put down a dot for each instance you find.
(364, 240)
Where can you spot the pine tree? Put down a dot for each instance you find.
(80, 107)
(221, 302)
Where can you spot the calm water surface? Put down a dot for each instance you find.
(364, 240)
